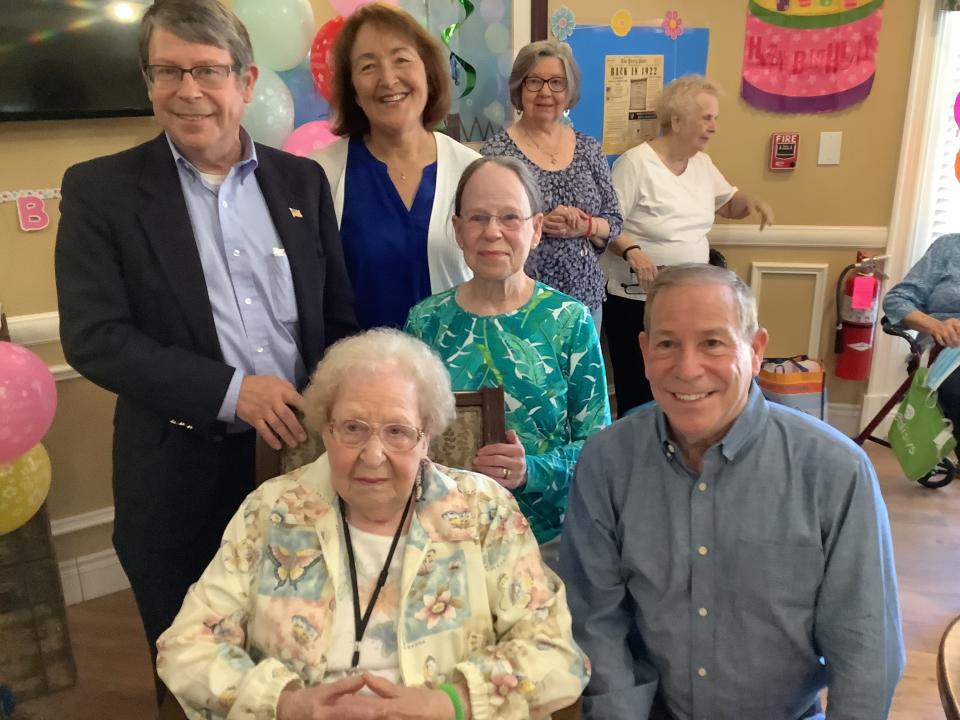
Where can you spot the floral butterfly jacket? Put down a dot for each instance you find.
(476, 602)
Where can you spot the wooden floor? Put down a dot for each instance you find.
(114, 668)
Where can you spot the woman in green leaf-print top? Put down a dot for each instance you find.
(504, 328)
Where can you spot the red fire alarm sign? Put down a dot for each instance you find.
(784, 148)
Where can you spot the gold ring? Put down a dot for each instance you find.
(506, 473)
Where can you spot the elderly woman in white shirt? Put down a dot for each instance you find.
(670, 192)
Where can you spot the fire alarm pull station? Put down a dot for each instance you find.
(784, 148)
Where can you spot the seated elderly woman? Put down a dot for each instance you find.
(503, 328)
(928, 300)
(371, 581)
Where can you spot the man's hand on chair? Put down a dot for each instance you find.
(266, 403)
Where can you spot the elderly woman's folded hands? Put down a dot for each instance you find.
(338, 701)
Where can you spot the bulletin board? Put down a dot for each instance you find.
(592, 43)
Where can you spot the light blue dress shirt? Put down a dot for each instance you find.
(734, 583)
(247, 274)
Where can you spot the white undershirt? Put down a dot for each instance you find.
(378, 649)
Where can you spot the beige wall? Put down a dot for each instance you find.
(857, 192)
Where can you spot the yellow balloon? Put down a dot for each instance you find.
(24, 484)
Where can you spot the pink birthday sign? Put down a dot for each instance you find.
(791, 69)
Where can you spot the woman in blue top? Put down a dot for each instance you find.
(503, 328)
(928, 300)
(391, 177)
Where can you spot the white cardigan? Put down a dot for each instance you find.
(444, 257)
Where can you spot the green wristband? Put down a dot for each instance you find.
(451, 692)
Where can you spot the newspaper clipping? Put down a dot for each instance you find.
(632, 86)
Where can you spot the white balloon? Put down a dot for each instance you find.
(281, 30)
(269, 116)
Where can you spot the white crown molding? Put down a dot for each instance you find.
(819, 272)
(82, 521)
(832, 236)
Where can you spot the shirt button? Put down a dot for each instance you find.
(702, 672)
(259, 349)
(702, 612)
(225, 203)
(236, 253)
(702, 550)
(702, 487)
(247, 301)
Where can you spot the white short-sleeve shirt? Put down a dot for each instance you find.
(667, 215)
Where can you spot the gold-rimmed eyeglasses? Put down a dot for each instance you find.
(208, 77)
(508, 221)
(393, 436)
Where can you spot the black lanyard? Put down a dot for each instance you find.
(360, 624)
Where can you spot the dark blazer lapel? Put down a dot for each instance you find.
(166, 224)
(298, 237)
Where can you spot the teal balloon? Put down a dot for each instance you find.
(308, 103)
(269, 115)
(281, 30)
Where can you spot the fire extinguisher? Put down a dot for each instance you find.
(858, 302)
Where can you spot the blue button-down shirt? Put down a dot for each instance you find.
(745, 589)
(247, 274)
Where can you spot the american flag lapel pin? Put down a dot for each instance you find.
(296, 213)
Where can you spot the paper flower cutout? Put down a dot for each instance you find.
(672, 24)
(620, 22)
(562, 23)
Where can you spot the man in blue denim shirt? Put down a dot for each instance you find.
(726, 558)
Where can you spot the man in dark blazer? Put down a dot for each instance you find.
(200, 278)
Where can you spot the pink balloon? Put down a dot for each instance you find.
(345, 7)
(28, 400)
(309, 138)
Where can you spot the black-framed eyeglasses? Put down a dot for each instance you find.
(556, 84)
(393, 436)
(209, 77)
(508, 221)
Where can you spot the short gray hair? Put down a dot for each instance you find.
(700, 274)
(375, 351)
(533, 53)
(510, 163)
(205, 22)
(679, 98)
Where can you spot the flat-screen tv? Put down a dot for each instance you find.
(70, 59)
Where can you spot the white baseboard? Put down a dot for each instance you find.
(92, 576)
(845, 417)
(872, 404)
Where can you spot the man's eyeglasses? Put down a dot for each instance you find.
(508, 221)
(208, 77)
(556, 84)
(393, 436)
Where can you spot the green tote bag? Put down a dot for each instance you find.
(920, 435)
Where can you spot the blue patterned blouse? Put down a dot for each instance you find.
(932, 286)
(570, 264)
(546, 355)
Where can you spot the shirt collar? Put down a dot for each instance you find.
(246, 165)
(748, 424)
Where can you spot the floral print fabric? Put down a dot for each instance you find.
(547, 357)
(475, 602)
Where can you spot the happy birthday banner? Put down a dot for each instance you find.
(809, 56)
(31, 208)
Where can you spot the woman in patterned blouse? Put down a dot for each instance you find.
(582, 211)
(372, 583)
(504, 328)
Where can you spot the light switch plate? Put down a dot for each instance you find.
(830, 148)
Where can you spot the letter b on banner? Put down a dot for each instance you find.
(32, 214)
